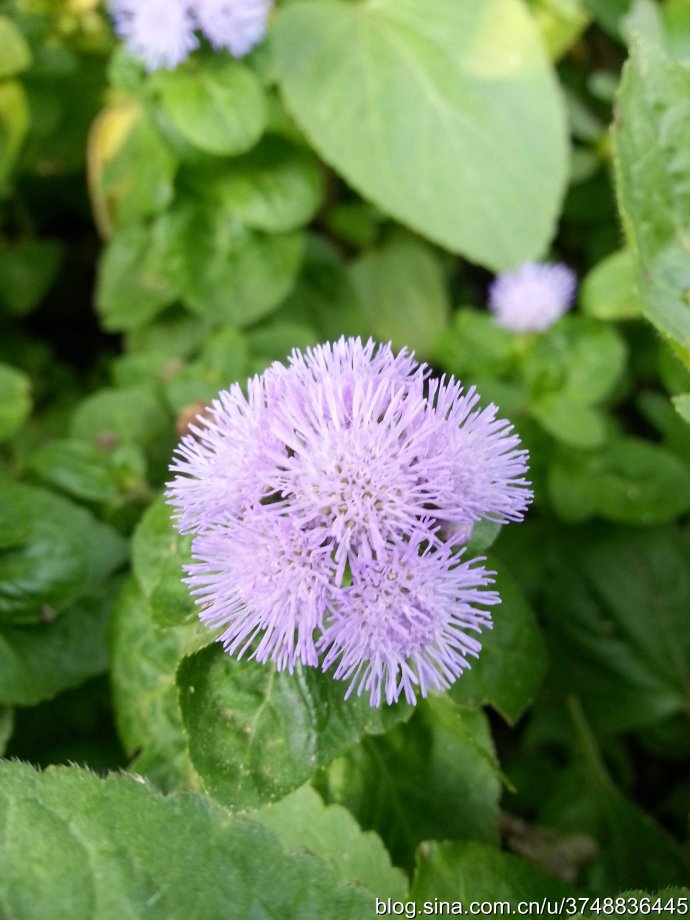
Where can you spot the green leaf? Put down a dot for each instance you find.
(147, 367)
(27, 272)
(676, 18)
(135, 276)
(585, 124)
(277, 187)
(44, 575)
(65, 92)
(176, 336)
(6, 727)
(481, 165)
(158, 554)
(596, 360)
(435, 776)
(15, 400)
(274, 340)
(657, 410)
(120, 416)
(616, 611)
(470, 871)
(560, 23)
(511, 398)
(125, 70)
(569, 421)
(131, 170)
(88, 472)
(473, 344)
(38, 662)
(227, 272)
(144, 659)
(682, 406)
(76, 467)
(602, 85)
(302, 820)
(64, 552)
(630, 481)
(484, 535)
(15, 525)
(256, 734)
(609, 291)
(651, 139)
(73, 857)
(14, 124)
(633, 848)
(673, 373)
(324, 296)
(15, 55)
(356, 222)
(218, 106)
(578, 357)
(643, 19)
(403, 292)
(608, 14)
(585, 165)
(223, 360)
(578, 360)
(512, 663)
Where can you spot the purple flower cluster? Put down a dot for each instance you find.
(329, 504)
(163, 32)
(533, 297)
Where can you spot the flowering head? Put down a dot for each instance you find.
(159, 32)
(533, 297)
(162, 32)
(326, 504)
(286, 571)
(234, 25)
(387, 631)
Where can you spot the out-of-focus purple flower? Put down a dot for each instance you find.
(533, 297)
(327, 505)
(235, 25)
(160, 32)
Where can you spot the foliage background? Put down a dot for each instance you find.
(364, 172)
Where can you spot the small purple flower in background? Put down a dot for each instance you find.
(328, 505)
(162, 32)
(533, 297)
(235, 25)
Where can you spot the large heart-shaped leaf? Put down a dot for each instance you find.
(444, 113)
